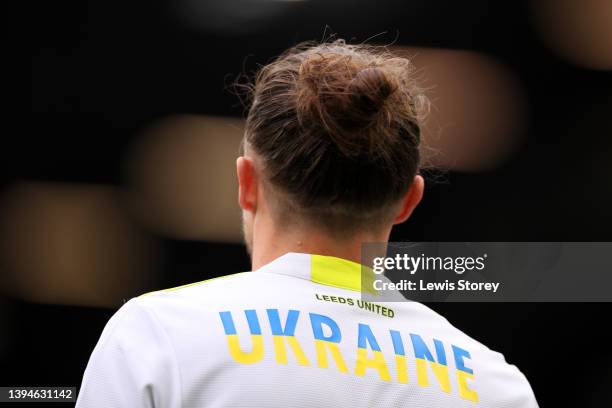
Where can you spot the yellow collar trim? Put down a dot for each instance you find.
(341, 273)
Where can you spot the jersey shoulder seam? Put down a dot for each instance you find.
(177, 288)
(159, 324)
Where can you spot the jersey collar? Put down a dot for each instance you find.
(325, 270)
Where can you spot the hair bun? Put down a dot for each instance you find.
(345, 96)
(367, 94)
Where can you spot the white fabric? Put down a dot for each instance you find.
(169, 349)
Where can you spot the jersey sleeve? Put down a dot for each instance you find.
(508, 386)
(133, 364)
(530, 399)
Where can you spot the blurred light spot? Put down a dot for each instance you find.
(5, 323)
(230, 16)
(578, 30)
(71, 244)
(477, 112)
(181, 175)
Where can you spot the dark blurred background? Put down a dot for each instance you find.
(118, 180)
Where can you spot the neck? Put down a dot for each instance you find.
(271, 244)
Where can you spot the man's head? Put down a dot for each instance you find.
(331, 143)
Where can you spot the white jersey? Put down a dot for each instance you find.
(294, 333)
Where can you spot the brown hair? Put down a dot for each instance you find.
(336, 127)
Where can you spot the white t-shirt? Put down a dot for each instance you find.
(294, 333)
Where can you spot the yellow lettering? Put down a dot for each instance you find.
(281, 351)
(255, 355)
(322, 346)
(377, 362)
